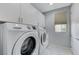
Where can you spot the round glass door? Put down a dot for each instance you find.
(28, 46)
(43, 38)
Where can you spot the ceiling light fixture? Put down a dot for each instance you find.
(50, 3)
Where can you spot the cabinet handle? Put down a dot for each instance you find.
(21, 20)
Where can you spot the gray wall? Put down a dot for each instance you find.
(62, 39)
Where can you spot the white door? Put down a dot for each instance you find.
(9, 12)
(75, 45)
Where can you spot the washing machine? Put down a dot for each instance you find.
(43, 35)
(18, 39)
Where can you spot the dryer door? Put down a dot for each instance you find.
(44, 39)
(26, 45)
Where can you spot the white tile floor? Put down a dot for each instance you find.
(56, 50)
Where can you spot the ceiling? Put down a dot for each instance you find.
(45, 7)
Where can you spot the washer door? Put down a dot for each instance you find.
(26, 45)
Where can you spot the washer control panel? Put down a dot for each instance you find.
(34, 28)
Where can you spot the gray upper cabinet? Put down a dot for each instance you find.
(20, 13)
(29, 14)
(9, 12)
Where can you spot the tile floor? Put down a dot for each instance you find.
(56, 50)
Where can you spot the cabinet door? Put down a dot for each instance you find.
(9, 12)
(31, 15)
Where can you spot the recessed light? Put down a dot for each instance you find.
(50, 3)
